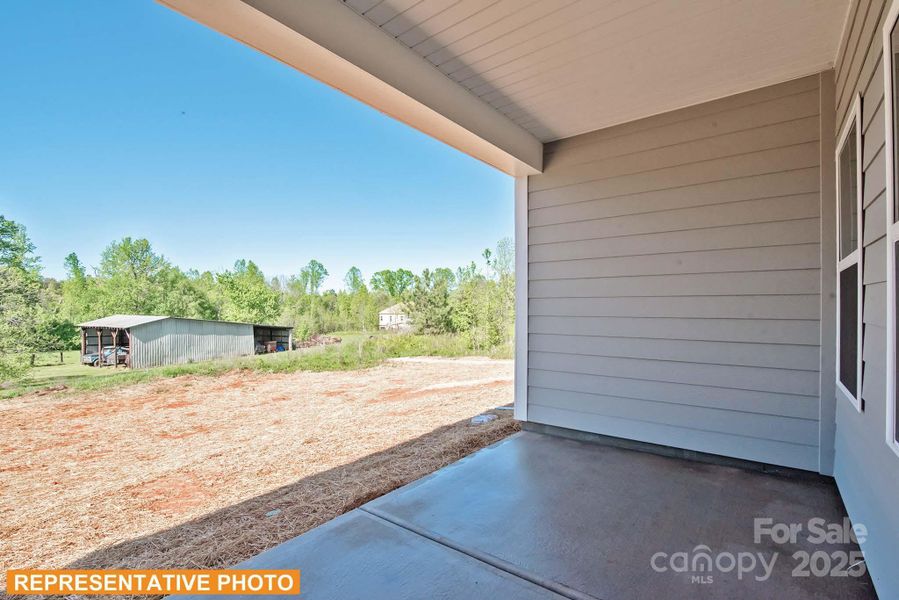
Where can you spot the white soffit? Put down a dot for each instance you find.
(559, 68)
(332, 43)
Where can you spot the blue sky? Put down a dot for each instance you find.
(126, 119)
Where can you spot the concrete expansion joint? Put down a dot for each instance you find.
(489, 559)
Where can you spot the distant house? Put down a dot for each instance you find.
(394, 317)
(142, 341)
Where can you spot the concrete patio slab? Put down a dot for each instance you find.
(359, 555)
(538, 516)
(592, 517)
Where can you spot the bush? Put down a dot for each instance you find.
(12, 366)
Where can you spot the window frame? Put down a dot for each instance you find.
(892, 228)
(853, 117)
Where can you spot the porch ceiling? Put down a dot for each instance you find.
(495, 78)
(562, 67)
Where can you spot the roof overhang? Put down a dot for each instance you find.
(121, 321)
(330, 42)
(495, 79)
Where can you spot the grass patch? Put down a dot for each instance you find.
(49, 372)
(357, 351)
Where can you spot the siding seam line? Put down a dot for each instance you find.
(626, 235)
(679, 187)
(751, 437)
(670, 360)
(596, 161)
(677, 274)
(677, 339)
(704, 385)
(815, 141)
(662, 210)
(724, 410)
(728, 249)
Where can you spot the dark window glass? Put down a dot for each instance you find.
(849, 328)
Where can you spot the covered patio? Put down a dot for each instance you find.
(706, 249)
(540, 516)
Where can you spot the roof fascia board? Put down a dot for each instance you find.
(330, 42)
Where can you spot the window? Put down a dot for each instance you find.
(849, 252)
(891, 122)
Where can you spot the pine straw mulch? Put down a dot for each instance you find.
(206, 472)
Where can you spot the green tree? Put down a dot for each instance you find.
(130, 278)
(16, 250)
(247, 296)
(353, 280)
(394, 283)
(77, 292)
(467, 273)
(20, 300)
(39, 313)
(429, 304)
(180, 295)
(54, 331)
(482, 307)
(207, 287)
(445, 277)
(492, 300)
(502, 258)
(313, 275)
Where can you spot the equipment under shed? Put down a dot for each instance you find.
(142, 341)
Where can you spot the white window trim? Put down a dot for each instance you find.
(853, 117)
(892, 228)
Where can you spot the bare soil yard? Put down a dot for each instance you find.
(207, 471)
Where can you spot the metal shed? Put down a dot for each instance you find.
(154, 341)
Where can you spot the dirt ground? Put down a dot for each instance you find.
(207, 471)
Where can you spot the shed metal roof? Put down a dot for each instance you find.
(122, 321)
(127, 321)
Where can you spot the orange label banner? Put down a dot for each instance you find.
(152, 582)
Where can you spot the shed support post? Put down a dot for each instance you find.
(83, 343)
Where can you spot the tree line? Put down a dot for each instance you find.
(40, 313)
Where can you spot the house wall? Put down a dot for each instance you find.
(393, 321)
(174, 341)
(674, 279)
(866, 470)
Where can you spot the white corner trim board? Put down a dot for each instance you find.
(892, 228)
(852, 125)
(521, 298)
